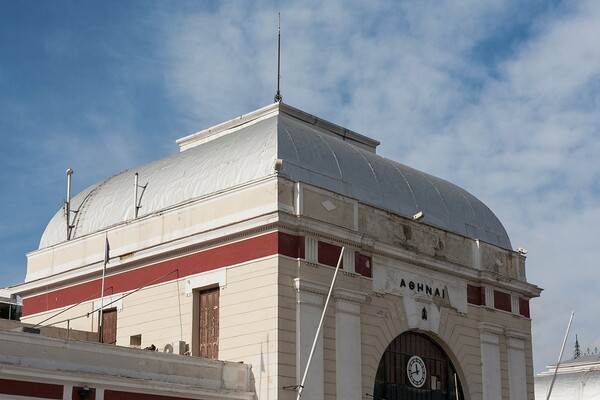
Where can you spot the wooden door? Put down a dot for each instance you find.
(109, 326)
(209, 324)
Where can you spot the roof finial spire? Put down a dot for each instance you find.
(577, 353)
(278, 97)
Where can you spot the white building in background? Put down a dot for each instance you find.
(576, 379)
(226, 250)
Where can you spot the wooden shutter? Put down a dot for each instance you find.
(209, 323)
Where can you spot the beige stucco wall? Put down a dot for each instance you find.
(259, 303)
(196, 218)
(425, 251)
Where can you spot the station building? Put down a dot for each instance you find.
(227, 249)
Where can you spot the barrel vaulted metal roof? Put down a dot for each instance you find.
(313, 151)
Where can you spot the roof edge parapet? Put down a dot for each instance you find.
(206, 135)
(347, 135)
(214, 132)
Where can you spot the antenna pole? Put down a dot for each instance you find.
(69, 172)
(278, 97)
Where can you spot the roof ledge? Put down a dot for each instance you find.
(214, 132)
(206, 135)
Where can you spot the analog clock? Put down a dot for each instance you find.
(416, 371)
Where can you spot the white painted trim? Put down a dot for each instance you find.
(476, 255)
(348, 347)
(515, 304)
(489, 297)
(108, 302)
(517, 372)
(348, 260)
(218, 276)
(311, 249)
(299, 203)
(490, 360)
(310, 297)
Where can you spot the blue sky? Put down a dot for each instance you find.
(499, 97)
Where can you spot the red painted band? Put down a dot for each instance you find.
(207, 260)
(118, 395)
(31, 389)
(502, 301)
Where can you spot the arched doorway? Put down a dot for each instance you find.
(414, 367)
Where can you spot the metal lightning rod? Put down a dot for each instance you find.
(278, 97)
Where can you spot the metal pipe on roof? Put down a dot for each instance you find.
(135, 195)
(69, 173)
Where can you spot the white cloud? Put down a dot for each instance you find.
(517, 126)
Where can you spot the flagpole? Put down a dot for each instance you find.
(101, 312)
(562, 349)
(314, 345)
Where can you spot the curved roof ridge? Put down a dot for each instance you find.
(315, 152)
(370, 166)
(395, 166)
(337, 162)
(437, 190)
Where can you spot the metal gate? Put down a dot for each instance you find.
(414, 367)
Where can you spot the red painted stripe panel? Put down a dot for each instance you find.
(329, 254)
(31, 389)
(362, 264)
(291, 245)
(475, 295)
(118, 395)
(230, 254)
(502, 301)
(524, 308)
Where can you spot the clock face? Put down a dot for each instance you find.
(416, 371)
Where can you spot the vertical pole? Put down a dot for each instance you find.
(314, 345)
(278, 97)
(69, 172)
(101, 312)
(456, 385)
(560, 356)
(135, 195)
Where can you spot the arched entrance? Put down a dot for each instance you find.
(414, 367)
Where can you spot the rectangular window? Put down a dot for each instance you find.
(329, 254)
(502, 301)
(524, 307)
(363, 265)
(475, 295)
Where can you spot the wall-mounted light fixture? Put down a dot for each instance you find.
(419, 216)
(85, 393)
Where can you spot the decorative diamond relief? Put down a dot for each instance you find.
(329, 206)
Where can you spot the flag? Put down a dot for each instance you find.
(106, 251)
